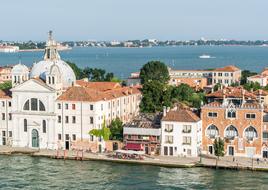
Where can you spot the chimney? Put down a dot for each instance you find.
(164, 111)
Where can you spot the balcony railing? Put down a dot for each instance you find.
(186, 131)
(168, 130)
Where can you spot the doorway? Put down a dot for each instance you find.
(146, 149)
(210, 149)
(35, 138)
(231, 151)
(67, 142)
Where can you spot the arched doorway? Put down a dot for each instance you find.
(35, 138)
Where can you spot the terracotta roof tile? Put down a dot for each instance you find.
(181, 115)
(236, 92)
(102, 86)
(261, 92)
(228, 68)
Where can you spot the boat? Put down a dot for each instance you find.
(204, 56)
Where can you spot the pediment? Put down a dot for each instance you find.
(33, 85)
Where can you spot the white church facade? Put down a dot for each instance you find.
(48, 108)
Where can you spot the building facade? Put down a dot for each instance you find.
(226, 75)
(261, 78)
(181, 132)
(235, 115)
(143, 134)
(5, 74)
(48, 108)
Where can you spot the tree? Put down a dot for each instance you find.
(217, 87)
(116, 128)
(183, 92)
(155, 96)
(154, 71)
(252, 86)
(245, 74)
(77, 71)
(218, 149)
(6, 85)
(104, 132)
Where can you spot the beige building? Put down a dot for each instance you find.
(226, 75)
(5, 74)
(261, 78)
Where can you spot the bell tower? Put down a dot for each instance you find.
(51, 52)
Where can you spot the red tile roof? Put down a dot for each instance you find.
(181, 115)
(81, 93)
(236, 92)
(229, 68)
(102, 86)
(261, 92)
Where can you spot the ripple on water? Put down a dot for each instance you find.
(22, 172)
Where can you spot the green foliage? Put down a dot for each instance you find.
(154, 71)
(183, 92)
(245, 74)
(6, 85)
(93, 74)
(252, 85)
(217, 87)
(218, 147)
(155, 96)
(104, 132)
(116, 128)
(77, 71)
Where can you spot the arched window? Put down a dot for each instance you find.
(251, 133)
(212, 131)
(41, 106)
(231, 114)
(44, 126)
(26, 105)
(25, 125)
(53, 80)
(34, 104)
(230, 132)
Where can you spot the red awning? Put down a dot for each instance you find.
(133, 146)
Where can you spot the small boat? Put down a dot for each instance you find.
(204, 56)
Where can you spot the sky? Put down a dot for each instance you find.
(134, 19)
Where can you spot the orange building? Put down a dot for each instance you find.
(5, 74)
(238, 117)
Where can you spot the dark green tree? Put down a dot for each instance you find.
(252, 86)
(116, 128)
(218, 149)
(6, 85)
(183, 92)
(217, 87)
(77, 71)
(154, 71)
(245, 74)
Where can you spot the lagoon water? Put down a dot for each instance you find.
(123, 61)
(25, 172)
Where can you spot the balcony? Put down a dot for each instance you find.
(186, 131)
(168, 130)
(169, 142)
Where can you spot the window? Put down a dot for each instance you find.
(265, 136)
(73, 106)
(231, 114)
(34, 104)
(231, 132)
(59, 105)
(91, 107)
(226, 74)
(212, 131)
(250, 115)
(73, 119)
(168, 128)
(59, 119)
(74, 137)
(91, 138)
(53, 80)
(3, 103)
(220, 81)
(66, 119)
(66, 106)
(212, 114)
(10, 133)
(101, 107)
(231, 74)
(168, 139)
(10, 116)
(44, 123)
(25, 125)
(3, 116)
(186, 140)
(91, 120)
(59, 136)
(186, 128)
(226, 81)
(219, 74)
(9, 104)
(251, 133)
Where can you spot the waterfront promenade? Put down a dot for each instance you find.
(240, 163)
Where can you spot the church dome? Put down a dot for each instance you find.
(42, 68)
(52, 58)
(19, 68)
